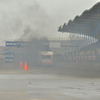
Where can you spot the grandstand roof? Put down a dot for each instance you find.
(88, 23)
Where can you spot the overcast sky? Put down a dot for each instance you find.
(29, 18)
(66, 8)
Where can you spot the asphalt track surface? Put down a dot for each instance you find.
(62, 81)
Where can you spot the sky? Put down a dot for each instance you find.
(24, 19)
(68, 8)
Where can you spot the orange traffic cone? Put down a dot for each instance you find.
(77, 61)
(21, 64)
(25, 67)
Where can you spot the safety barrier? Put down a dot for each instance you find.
(81, 58)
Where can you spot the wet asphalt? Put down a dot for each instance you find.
(62, 81)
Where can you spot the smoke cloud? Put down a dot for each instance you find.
(23, 19)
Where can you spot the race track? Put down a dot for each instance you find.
(62, 81)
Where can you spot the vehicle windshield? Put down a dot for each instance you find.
(9, 55)
(46, 56)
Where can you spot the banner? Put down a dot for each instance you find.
(14, 43)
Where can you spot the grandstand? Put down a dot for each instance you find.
(87, 25)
